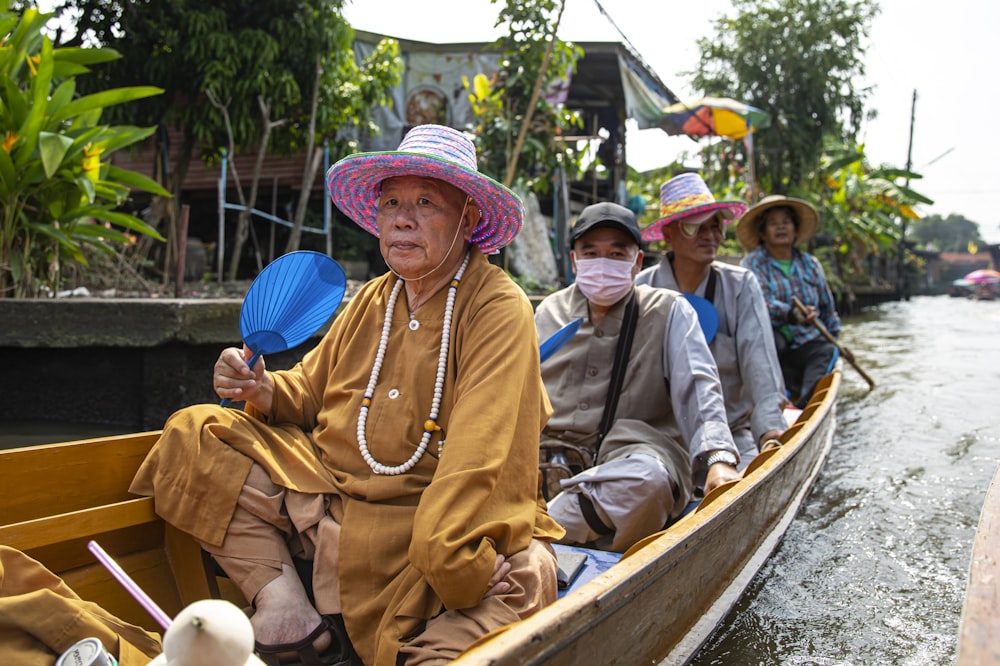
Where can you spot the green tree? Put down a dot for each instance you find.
(954, 233)
(58, 192)
(798, 60)
(518, 126)
(279, 76)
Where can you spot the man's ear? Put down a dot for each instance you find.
(637, 266)
(668, 233)
(472, 217)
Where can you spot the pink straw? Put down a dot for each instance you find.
(137, 593)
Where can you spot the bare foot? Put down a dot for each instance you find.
(283, 613)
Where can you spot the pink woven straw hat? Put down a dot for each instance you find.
(433, 151)
(687, 195)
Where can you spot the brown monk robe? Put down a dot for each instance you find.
(41, 617)
(407, 545)
(401, 454)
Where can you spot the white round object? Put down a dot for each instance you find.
(210, 632)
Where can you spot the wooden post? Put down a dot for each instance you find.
(182, 232)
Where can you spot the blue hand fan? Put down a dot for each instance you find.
(289, 301)
(554, 342)
(708, 316)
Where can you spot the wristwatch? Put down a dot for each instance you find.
(721, 456)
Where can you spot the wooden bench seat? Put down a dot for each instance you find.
(58, 497)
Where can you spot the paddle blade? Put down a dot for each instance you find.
(554, 342)
(290, 300)
(708, 316)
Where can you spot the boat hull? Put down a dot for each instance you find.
(979, 633)
(658, 604)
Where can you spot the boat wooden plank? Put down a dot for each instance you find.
(61, 496)
(979, 637)
(149, 568)
(32, 534)
(87, 473)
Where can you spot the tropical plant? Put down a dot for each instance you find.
(58, 189)
(864, 204)
(283, 77)
(518, 114)
(862, 208)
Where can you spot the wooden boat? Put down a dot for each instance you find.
(60, 496)
(657, 603)
(979, 633)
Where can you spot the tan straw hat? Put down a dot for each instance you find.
(749, 227)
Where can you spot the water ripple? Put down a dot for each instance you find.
(874, 568)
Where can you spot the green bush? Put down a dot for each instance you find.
(58, 191)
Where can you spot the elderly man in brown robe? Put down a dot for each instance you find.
(386, 456)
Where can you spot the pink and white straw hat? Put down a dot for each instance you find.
(687, 196)
(433, 151)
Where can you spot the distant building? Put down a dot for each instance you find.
(956, 264)
(611, 85)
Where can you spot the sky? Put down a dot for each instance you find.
(945, 51)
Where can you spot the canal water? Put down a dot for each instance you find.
(873, 570)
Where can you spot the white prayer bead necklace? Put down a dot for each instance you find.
(430, 425)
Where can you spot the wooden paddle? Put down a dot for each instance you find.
(846, 353)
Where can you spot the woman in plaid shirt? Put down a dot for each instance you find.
(770, 231)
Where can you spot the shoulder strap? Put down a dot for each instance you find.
(710, 287)
(629, 321)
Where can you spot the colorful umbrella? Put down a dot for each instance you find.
(716, 116)
(983, 275)
(713, 116)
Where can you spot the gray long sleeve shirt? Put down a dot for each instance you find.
(743, 349)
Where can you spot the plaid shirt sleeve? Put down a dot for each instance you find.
(771, 284)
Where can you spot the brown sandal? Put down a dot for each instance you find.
(339, 653)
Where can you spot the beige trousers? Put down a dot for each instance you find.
(632, 496)
(272, 524)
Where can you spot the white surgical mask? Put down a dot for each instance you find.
(604, 281)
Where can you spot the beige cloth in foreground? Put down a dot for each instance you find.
(533, 586)
(41, 617)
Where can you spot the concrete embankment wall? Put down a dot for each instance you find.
(126, 363)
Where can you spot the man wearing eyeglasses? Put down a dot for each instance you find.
(693, 223)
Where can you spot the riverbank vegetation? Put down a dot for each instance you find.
(799, 60)
(59, 194)
(232, 81)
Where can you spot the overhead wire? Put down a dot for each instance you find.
(635, 53)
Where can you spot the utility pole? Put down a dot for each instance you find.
(901, 275)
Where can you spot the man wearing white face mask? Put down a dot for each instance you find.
(635, 393)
